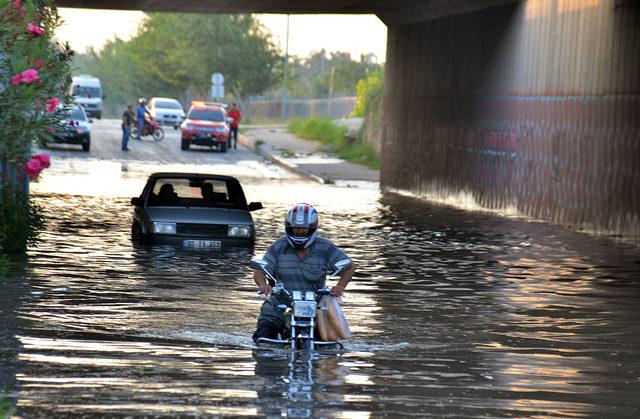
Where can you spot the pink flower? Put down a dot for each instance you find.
(15, 80)
(50, 129)
(45, 160)
(35, 29)
(33, 167)
(52, 104)
(29, 75)
(38, 63)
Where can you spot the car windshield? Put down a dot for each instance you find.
(86, 92)
(167, 105)
(197, 192)
(77, 114)
(207, 114)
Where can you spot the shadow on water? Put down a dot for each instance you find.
(453, 313)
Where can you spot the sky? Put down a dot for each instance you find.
(356, 34)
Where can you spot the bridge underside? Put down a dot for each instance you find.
(391, 12)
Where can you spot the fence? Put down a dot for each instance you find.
(301, 108)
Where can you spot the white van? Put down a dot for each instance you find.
(87, 92)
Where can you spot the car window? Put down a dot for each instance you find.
(197, 192)
(167, 105)
(77, 114)
(207, 114)
(86, 91)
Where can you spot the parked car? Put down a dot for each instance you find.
(75, 129)
(166, 111)
(206, 124)
(194, 210)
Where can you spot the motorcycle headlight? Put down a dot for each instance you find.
(164, 228)
(239, 231)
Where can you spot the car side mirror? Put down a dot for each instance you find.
(137, 201)
(229, 120)
(254, 206)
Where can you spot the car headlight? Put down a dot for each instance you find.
(239, 231)
(164, 228)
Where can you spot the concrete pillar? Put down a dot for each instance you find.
(530, 109)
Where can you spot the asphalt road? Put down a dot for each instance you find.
(106, 137)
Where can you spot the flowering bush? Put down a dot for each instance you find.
(34, 83)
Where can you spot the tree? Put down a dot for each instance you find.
(175, 54)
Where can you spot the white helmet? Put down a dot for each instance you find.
(301, 216)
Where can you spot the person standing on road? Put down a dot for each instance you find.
(233, 133)
(127, 118)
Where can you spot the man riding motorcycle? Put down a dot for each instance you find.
(141, 111)
(299, 261)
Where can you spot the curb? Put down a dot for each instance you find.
(261, 150)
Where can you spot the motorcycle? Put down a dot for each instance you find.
(151, 127)
(301, 311)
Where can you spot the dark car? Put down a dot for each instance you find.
(206, 124)
(194, 210)
(75, 129)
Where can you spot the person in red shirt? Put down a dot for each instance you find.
(233, 134)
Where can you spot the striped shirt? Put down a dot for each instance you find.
(307, 274)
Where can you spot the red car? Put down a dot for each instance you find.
(206, 124)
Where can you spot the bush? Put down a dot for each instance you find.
(4, 268)
(325, 131)
(20, 222)
(34, 83)
(370, 91)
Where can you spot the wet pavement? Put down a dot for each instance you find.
(453, 313)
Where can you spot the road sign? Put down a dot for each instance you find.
(217, 79)
(217, 91)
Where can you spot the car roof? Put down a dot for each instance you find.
(168, 99)
(207, 105)
(183, 175)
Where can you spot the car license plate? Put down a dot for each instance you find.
(202, 244)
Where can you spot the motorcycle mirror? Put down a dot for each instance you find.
(258, 263)
(341, 266)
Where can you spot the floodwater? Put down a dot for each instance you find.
(453, 314)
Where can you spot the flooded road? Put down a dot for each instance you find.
(453, 313)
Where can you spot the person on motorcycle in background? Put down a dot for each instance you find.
(141, 112)
(299, 261)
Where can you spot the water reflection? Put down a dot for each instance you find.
(453, 314)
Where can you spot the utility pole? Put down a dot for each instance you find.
(333, 72)
(285, 105)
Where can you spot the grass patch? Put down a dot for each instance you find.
(285, 152)
(326, 132)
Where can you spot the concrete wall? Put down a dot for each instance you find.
(531, 109)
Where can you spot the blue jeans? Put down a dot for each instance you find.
(233, 134)
(125, 137)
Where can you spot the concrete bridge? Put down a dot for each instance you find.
(530, 107)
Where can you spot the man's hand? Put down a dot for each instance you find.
(265, 289)
(337, 290)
